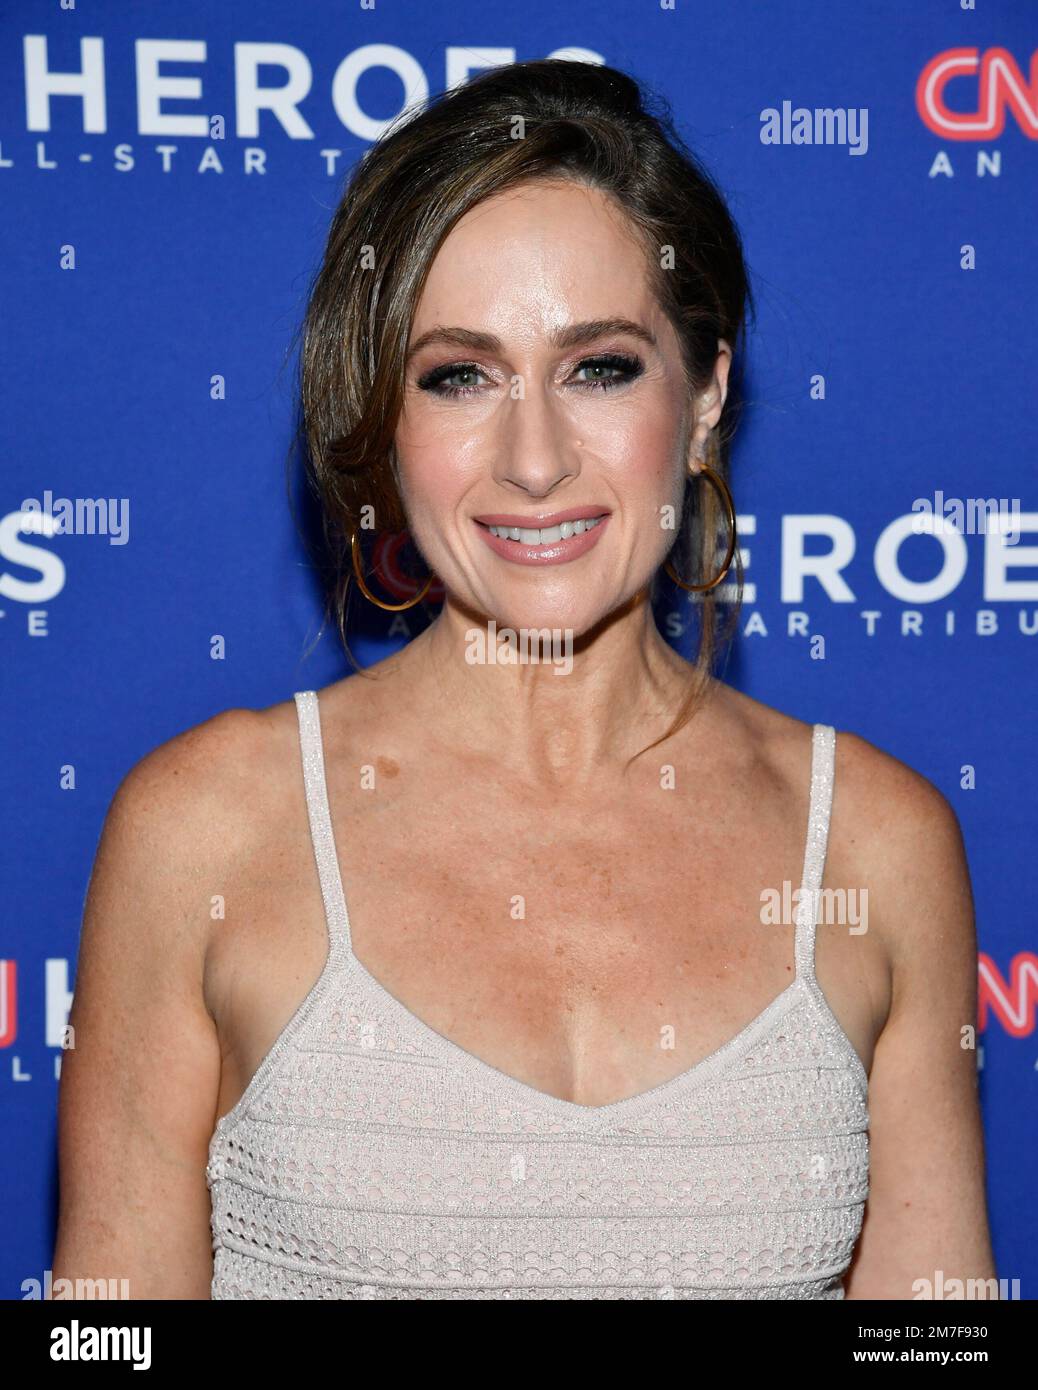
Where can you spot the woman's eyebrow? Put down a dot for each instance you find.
(573, 335)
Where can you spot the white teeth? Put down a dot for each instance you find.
(548, 535)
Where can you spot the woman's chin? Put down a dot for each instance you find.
(572, 620)
(570, 614)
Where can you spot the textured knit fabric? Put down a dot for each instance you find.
(372, 1158)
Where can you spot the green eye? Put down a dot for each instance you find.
(434, 381)
(626, 369)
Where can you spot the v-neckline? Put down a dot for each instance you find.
(495, 1079)
(803, 986)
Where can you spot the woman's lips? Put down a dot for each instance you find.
(553, 552)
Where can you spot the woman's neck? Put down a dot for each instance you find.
(541, 704)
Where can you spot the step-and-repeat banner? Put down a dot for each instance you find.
(167, 175)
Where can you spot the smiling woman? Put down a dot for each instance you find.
(553, 1048)
(578, 183)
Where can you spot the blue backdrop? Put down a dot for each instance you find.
(154, 269)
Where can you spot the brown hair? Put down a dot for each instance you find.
(549, 118)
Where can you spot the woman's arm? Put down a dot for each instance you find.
(139, 1089)
(926, 1216)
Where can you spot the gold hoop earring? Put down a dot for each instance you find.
(726, 497)
(381, 603)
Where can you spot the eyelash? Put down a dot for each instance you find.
(630, 366)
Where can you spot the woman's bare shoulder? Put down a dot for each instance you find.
(902, 840)
(216, 789)
(905, 831)
(238, 765)
(893, 833)
(220, 765)
(886, 795)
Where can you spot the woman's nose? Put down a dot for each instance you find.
(535, 450)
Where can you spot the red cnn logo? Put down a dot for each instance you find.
(386, 566)
(8, 1003)
(1013, 1002)
(995, 83)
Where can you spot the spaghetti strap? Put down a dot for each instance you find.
(319, 815)
(823, 764)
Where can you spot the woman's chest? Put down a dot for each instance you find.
(591, 945)
(574, 939)
(592, 956)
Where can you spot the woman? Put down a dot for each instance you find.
(556, 1048)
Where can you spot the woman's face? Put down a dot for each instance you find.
(531, 408)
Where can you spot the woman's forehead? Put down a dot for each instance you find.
(536, 264)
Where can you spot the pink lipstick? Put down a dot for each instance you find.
(548, 538)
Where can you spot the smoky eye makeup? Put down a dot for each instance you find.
(621, 368)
